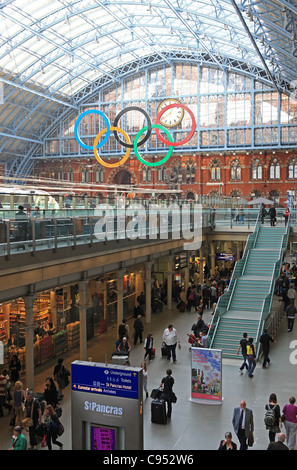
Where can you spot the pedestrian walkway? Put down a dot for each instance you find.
(193, 426)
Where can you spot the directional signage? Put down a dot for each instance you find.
(104, 380)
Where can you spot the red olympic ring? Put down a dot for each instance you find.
(176, 105)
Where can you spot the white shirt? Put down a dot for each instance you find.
(170, 337)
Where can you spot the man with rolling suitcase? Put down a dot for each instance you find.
(167, 385)
(163, 395)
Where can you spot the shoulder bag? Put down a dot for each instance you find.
(28, 422)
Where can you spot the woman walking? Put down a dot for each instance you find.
(51, 423)
(290, 420)
(273, 417)
(18, 402)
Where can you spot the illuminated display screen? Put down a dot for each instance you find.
(103, 438)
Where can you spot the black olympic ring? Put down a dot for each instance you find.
(118, 117)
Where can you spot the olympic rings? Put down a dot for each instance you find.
(149, 127)
(176, 105)
(77, 137)
(136, 144)
(167, 156)
(125, 157)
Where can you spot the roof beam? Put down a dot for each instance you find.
(254, 43)
(35, 92)
(192, 32)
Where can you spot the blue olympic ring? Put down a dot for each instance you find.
(77, 137)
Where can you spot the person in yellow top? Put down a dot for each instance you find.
(251, 354)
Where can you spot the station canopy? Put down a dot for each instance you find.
(54, 53)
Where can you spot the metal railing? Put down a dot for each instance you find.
(225, 299)
(267, 302)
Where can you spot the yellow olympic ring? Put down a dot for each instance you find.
(97, 156)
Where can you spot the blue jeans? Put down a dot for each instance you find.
(245, 362)
(252, 365)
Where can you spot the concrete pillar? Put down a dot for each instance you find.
(187, 272)
(6, 315)
(148, 291)
(82, 306)
(212, 257)
(120, 301)
(53, 307)
(169, 282)
(201, 258)
(29, 340)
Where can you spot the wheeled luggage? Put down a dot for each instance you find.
(163, 350)
(181, 306)
(158, 411)
(119, 357)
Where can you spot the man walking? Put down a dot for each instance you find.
(171, 339)
(265, 340)
(166, 385)
(243, 424)
(290, 314)
(272, 214)
(138, 329)
(242, 346)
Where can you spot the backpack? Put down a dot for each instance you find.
(269, 418)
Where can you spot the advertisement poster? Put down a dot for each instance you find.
(206, 375)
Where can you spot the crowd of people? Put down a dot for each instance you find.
(37, 414)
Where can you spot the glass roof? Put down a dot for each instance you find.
(63, 46)
(55, 49)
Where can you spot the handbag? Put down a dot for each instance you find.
(156, 393)
(60, 430)
(44, 441)
(28, 422)
(173, 397)
(251, 440)
(283, 416)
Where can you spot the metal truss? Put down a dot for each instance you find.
(57, 55)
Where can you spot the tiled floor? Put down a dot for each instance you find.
(193, 426)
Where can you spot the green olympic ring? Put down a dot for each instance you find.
(167, 156)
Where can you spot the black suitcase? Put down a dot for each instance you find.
(163, 350)
(158, 411)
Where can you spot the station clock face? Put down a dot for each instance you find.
(173, 116)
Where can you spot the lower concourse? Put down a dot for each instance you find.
(193, 426)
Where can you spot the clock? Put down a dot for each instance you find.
(173, 116)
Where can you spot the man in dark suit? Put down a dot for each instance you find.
(243, 424)
(279, 445)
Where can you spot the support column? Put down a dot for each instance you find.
(6, 318)
(212, 257)
(187, 272)
(82, 306)
(169, 282)
(148, 291)
(29, 340)
(201, 258)
(120, 301)
(53, 307)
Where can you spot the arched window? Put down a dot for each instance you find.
(292, 169)
(99, 175)
(235, 170)
(162, 173)
(256, 170)
(274, 170)
(190, 173)
(215, 171)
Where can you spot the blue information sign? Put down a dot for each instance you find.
(225, 256)
(104, 380)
